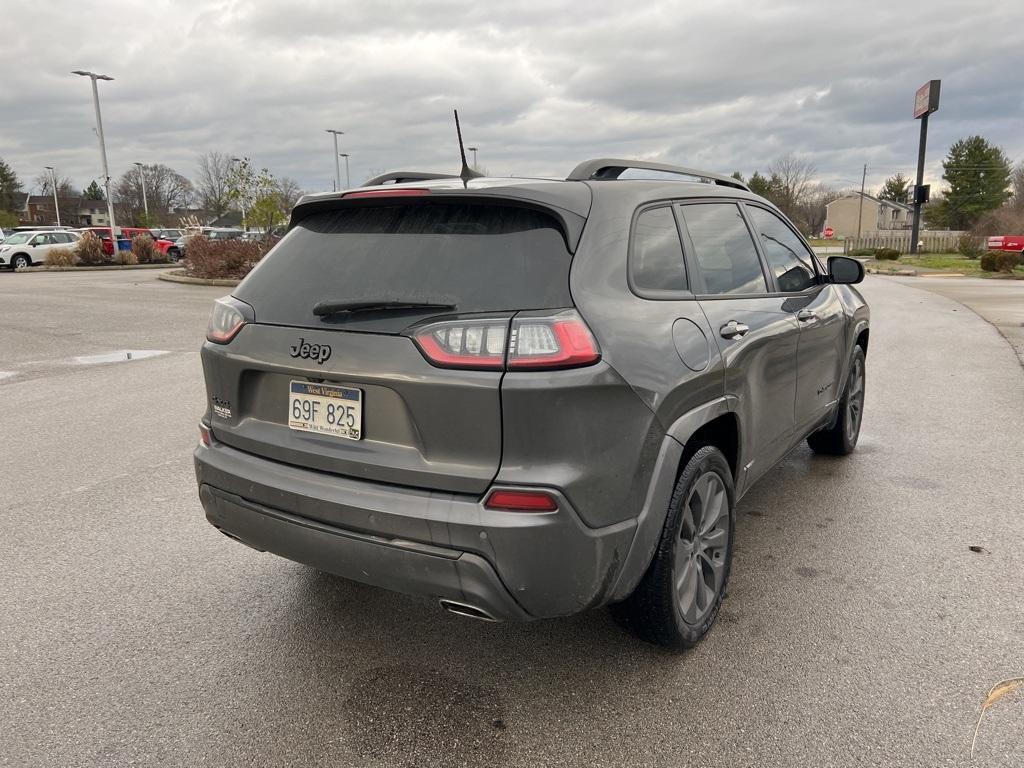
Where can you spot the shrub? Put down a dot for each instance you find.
(145, 250)
(862, 253)
(969, 246)
(60, 257)
(127, 258)
(887, 254)
(999, 261)
(229, 259)
(89, 250)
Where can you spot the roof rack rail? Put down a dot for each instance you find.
(609, 168)
(399, 177)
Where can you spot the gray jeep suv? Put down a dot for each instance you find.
(527, 397)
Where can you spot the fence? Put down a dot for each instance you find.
(932, 242)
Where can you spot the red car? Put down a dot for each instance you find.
(127, 233)
(1006, 243)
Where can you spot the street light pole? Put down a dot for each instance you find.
(473, 150)
(860, 213)
(348, 181)
(145, 203)
(53, 181)
(241, 198)
(337, 164)
(103, 149)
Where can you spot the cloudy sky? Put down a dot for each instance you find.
(539, 85)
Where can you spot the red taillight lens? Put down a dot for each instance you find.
(554, 341)
(464, 343)
(205, 435)
(559, 340)
(386, 192)
(226, 320)
(521, 501)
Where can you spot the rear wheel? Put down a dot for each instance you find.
(678, 598)
(841, 438)
(21, 260)
(173, 254)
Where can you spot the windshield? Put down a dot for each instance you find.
(18, 238)
(477, 257)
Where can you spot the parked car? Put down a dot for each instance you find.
(126, 233)
(28, 248)
(1006, 243)
(166, 234)
(527, 398)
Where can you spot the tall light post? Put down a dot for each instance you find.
(145, 203)
(103, 148)
(473, 150)
(241, 198)
(53, 181)
(348, 182)
(337, 165)
(860, 213)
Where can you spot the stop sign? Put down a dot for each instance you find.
(829, 233)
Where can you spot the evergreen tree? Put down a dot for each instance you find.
(978, 175)
(896, 188)
(10, 188)
(93, 192)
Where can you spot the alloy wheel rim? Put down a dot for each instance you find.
(855, 401)
(700, 559)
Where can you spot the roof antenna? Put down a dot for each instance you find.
(466, 173)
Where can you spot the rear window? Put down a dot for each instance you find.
(481, 258)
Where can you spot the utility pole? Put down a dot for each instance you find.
(53, 181)
(337, 164)
(473, 150)
(103, 149)
(860, 213)
(348, 182)
(926, 101)
(145, 203)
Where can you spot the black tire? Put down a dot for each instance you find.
(21, 260)
(841, 438)
(656, 611)
(173, 254)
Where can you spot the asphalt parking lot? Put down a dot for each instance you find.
(859, 630)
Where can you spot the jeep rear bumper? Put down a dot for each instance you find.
(510, 565)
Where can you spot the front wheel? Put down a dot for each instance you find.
(841, 438)
(173, 254)
(678, 598)
(21, 260)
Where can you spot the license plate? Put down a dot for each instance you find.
(326, 409)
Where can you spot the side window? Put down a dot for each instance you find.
(723, 249)
(786, 254)
(656, 257)
(38, 240)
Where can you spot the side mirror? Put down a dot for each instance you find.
(843, 270)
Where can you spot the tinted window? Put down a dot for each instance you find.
(723, 248)
(785, 253)
(656, 260)
(480, 258)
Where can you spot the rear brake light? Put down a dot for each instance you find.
(521, 501)
(226, 320)
(385, 192)
(464, 343)
(558, 340)
(554, 341)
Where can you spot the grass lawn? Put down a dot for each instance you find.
(942, 262)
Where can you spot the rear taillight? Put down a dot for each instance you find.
(226, 319)
(529, 342)
(520, 501)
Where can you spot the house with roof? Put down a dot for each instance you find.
(875, 215)
(74, 212)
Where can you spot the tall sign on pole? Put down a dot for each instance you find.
(926, 101)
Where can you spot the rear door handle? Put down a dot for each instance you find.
(806, 316)
(733, 330)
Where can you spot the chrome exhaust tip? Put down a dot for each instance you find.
(466, 610)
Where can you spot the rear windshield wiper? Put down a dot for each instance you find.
(326, 308)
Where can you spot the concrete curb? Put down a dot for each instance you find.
(179, 276)
(100, 268)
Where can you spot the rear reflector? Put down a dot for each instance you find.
(385, 192)
(205, 435)
(521, 501)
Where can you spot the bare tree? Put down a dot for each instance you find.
(289, 191)
(811, 211)
(793, 178)
(1017, 180)
(166, 189)
(213, 188)
(67, 194)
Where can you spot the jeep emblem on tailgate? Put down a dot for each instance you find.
(318, 352)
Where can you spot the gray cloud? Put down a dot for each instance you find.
(540, 85)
